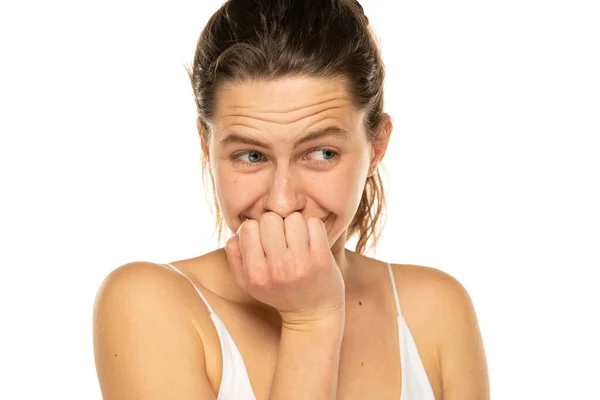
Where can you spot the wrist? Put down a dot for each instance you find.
(314, 321)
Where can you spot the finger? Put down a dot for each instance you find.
(234, 258)
(318, 241)
(296, 234)
(272, 235)
(253, 256)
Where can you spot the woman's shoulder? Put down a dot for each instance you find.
(145, 316)
(429, 293)
(441, 315)
(418, 282)
(142, 290)
(179, 286)
(136, 280)
(431, 300)
(151, 292)
(138, 277)
(151, 284)
(426, 282)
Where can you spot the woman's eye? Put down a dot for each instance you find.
(254, 157)
(324, 154)
(250, 157)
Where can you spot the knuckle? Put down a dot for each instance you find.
(321, 259)
(275, 264)
(255, 278)
(278, 277)
(278, 272)
(301, 265)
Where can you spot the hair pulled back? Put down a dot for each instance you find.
(271, 39)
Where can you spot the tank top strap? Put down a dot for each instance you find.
(395, 290)
(195, 287)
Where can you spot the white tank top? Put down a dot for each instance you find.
(235, 383)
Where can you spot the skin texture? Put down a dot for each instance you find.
(153, 336)
(286, 178)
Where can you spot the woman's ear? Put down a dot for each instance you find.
(202, 131)
(383, 132)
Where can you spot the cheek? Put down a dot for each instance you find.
(234, 191)
(341, 191)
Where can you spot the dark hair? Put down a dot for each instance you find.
(270, 39)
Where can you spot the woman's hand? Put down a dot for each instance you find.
(287, 264)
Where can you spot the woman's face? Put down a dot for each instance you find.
(286, 145)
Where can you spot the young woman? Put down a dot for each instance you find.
(292, 130)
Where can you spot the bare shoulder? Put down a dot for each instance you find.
(429, 289)
(141, 274)
(146, 344)
(146, 285)
(441, 311)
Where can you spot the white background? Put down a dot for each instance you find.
(493, 173)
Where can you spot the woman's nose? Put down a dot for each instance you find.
(283, 196)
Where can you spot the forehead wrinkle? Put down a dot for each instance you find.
(296, 107)
(284, 104)
(273, 113)
(280, 105)
(344, 121)
(280, 121)
(340, 121)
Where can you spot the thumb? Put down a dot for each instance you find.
(234, 257)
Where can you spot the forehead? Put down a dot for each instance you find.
(291, 101)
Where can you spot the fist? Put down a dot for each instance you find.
(287, 264)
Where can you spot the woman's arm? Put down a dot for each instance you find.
(308, 360)
(288, 264)
(462, 356)
(145, 344)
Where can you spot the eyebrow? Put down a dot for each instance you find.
(328, 131)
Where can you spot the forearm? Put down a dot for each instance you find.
(308, 361)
